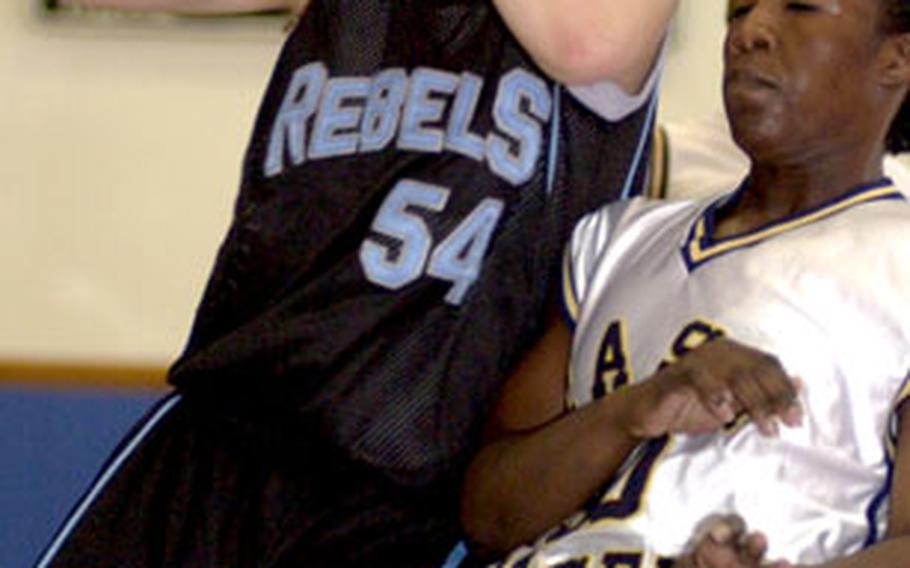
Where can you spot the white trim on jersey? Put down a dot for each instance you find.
(610, 102)
(127, 447)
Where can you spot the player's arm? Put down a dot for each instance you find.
(526, 478)
(193, 6)
(588, 41)
(543, 462)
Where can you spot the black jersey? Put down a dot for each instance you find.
(410, 182)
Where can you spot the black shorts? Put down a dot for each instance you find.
(187, 488)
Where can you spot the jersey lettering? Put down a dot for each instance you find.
(395, 266)
(430, 111)
(693, 335)
(299, 104)
(522, 562)
(632, 485)
(514, 159)
(573, 563)
(334, 132)
(612, 361)
(383, 110)
(612, 559)
(459, 138)
(401, 252)
(622, 560)
(459, 257)
(425, 107)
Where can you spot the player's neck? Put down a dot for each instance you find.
(774, 191)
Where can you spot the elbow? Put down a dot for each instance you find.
(580, 58)
(480, 526)
(485, 525)
(485, 532)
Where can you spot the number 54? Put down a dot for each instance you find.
(457, 258)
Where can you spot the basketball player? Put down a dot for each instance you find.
(196, 7)
(809, 258)
(414, 171)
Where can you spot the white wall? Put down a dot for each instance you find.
(120, 149)
(691, 84)
(120, 146)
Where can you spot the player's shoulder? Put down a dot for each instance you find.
(638, 210)
(887, 226)
(885, 213)
(630, 220)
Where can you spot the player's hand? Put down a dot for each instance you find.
(725, 543)
(709, 387)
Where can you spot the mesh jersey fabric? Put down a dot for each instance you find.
(496, 165)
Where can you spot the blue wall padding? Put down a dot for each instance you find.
(52, 444)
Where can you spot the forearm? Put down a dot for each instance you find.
(586, 41)
(192, 6)
(523, 484)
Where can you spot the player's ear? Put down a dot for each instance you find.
(894, 61)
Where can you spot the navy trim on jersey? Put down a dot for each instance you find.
(570, 304)
(701, 247)
(890, 454)
(876, 504)
(123, 451)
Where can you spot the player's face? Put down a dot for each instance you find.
(799, 74)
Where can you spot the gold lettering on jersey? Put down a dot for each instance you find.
(622, 560)
(626, 496)
(613, 361)
(575, 563)
(693, 335)
(616, 559)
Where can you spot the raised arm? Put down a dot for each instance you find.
(588, 41)
(543, 462)
(194, 6)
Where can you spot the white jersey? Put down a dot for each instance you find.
(827, 291)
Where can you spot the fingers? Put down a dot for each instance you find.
(670, 404)
(766, 393)
(727, 544)
(709, 386)
(716, 396)
(753, 546)
(732, 377)
(726, 529)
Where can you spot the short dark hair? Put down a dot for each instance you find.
(897, 21)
